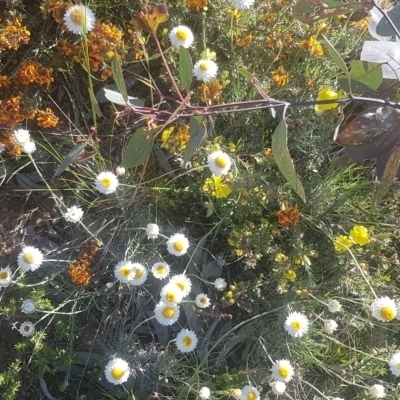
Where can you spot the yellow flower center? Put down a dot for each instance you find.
(28, 258)
(171, 297)
(388, 313)
(221, 162)
(187, 341)
(138, 274)
(181, 285)
(204, 66)
(161, 269)
(168, 312)
(117, 373)
(179, 245)
(106, 182)
(181, 35)
(78, 17)
(27, 328)
(296, 325)
(283, 371)
(3, 275)
(125, 271)
(251, 396)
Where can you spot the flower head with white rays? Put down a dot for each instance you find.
(27, 329)
(177, 244)
(219, 163)
(183, 282)
(377, 391)
(79, 19)
(28, 307)
(278, 388)
(334, 306)
(106, 182)
(330, 326)
(30, 258)
(29, 147)
(394, 364)
(139, 275)
(383, 309)
(166, 314)
(205, 70)
(235, 393)
(171, 294)
(249, 393)
(5, 276)
(124, 271)
(186, 341)
(220, 284)
(282, 371)
(296, 324)
(152, 230)
(202, 301)
(204, 393)
(160, 270)
(241, 4)
(181, 36)
(73, 214)
(22, 136)
(117, 371)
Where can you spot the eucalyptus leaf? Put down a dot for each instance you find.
(95, 105)
(185, 68)
(198, 133)
(119, 78)
(139, 148)
(117, 98)
(384, 28)
(70, 158)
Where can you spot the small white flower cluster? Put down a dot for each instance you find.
(27, 329)
(377, 391)
(181, 36)
(177, 244)
(249, 392)
(186, 341)
(219, 163)
(73, 214)
(23, 138)
(106, 182)
(134, 274)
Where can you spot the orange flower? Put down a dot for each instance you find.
(197, 4)
(12, 112)
(47, 119)
(243, 41)
(288, 216)
(7, 141)
(80, 270)
(211, 92)
(13, 34)
(280, 77)
(32, 71)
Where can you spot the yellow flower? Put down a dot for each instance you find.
(342, 242)
(359, 235)
(216, 187)
(280, 257)
(327, 94)
(290, 275)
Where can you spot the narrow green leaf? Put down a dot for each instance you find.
(246, 74)
(139, 148)
(70, 158)
(95, 104)
(198, 133)
(118, 77)
(185, 68)
(338, 60)
(283, 160)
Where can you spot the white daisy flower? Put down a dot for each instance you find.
(394, 364)
(235, 393)
(377, 391)
(204, 393)
(140, 274)
(177, 244)
(30, 258)
(5, 276)
(249, 393)
(181, 36)
(183, 282)
(166, 314)
(202, 301)
(330, 326)
(171, 294)
(28, 307)
(220, 284)
(334, 306)
(241, 4)
(205, 70)
(29, 147)
(120, 171)
(186, 341)
(282, 371)
(79, 19)
(27, 329)
(106, 182)
(117, 371)
(383, 309)
(219, 163)
(22, 136)
(124, 271)
(296, 324)
(160, 270)
(152, 230)
(278, 388)
(73, 214)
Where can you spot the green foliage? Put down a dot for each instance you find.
(10, 380)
